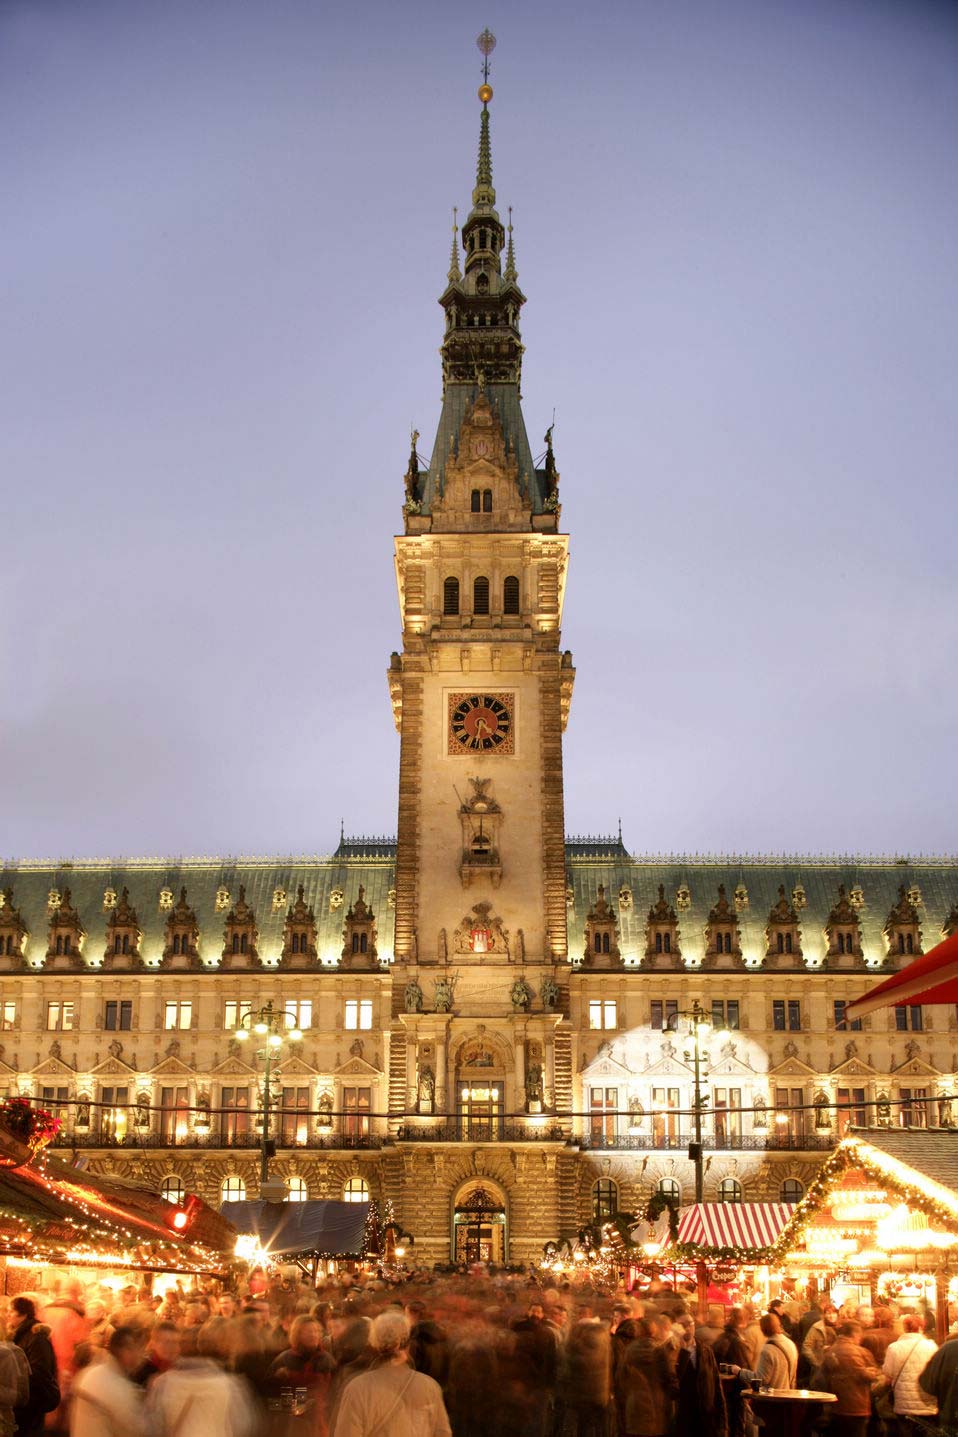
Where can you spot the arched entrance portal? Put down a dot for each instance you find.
(479, 1224)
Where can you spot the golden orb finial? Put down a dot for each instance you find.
(485, 93)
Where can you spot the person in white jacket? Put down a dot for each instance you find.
(905, 1360)
(105, 1402)
(197, 1398)
(392, 1399)
(778, 1360)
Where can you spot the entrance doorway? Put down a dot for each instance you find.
(479, 1226)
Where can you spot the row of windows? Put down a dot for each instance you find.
(605, 1194)
(234, 1190)
(480, 595)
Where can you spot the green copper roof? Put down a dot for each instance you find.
(505, 401)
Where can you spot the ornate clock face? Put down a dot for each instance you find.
(481, 723)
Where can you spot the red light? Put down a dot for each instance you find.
(180, 1219)
(180, 1216)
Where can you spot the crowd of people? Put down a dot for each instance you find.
(469, 1355)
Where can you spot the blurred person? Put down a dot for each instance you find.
(819, 1336)
(730, 1346)
(752, 1334)
(69, 1324)
(33, 1339)
(711, 1329)
(392, 1399)
(777, 1365)
(14, 1385)
(905, 1360)
(304, 1372)
(848, 1371)
(163, 1349)
(197, 1397)
(877, 1338)
(473, 1385)
(939, 1381)
(700, 1402)
(780, 1309)
(105, 1401)
(645, 1385)
(585, 1377)
(428, 1343)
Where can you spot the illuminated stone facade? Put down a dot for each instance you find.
(486, 1006)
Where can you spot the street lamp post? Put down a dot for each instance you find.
(274, 1026)
(700, 1028)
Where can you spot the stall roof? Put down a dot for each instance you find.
(933, 978)
(753, 1225)
(298, 1229)
(928, 1156)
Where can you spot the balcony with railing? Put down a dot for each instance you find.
(214, 1138)
(723, 1143)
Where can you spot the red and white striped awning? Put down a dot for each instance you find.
(734, 1224)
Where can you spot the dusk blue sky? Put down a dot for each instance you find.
(225, 228)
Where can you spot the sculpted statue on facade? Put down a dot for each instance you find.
(412, 997)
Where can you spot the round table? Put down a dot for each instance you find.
(784, 1414)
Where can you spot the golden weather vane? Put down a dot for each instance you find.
(487, 43)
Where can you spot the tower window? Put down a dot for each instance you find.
(450, 594)
(510, 595)
(487, 501)
(476, 501)
(480, 596)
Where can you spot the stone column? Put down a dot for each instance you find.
(441, 1097)
(520, 1099)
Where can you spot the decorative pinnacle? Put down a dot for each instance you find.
(455, 273)
(484, 194)
(510, 269)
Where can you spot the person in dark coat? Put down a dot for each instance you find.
(33, 1339)
(940, 1380)
(700, 1405)
(585, 1378)
(732, 1348)
(428, 1343)
(645, 1385)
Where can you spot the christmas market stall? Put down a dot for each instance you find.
(308, 1234)
(58, 1221)
(880, 1221)
(724, 1249)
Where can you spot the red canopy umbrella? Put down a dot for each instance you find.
(933, 978)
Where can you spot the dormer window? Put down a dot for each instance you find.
(66, 932)
(662, 929)
(182, 931)
(510, 595)
(123, 933)
(842, 931)
(450, 595)
(13, 932)
(782, 933)
(722, 935)
(902, 929)
(480, 596)
(601, 935)
(299, 939)
(241, 934)
(359, 935)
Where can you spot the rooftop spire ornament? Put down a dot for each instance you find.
(486, 43)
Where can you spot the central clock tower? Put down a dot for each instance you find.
(481, 689)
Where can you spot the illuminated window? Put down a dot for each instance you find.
(172, 1189)
(671, 1188)
(179, 1014)
(234, 1011)
(914, 1107)
(9, 1016)
(299, 1012)
(843, 1024)
(233, 1190)
(118, 1015)
(909, 1017)
(296, 1190)
(605, 1199)
(730, 1190)
(294, 1116)
(450, 596)
(480, 596)
(356, 1190)
(603, 1112)
(59, 1017)
(356, 1107)
(663, 1013)
(603, 1013)
(510, 595)
(792, 1190)
(358, 1013)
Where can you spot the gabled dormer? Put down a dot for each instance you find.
(783, 934)
(123, 933)
(182, 935)
(66, 935)
(843, 934)
(240, 935)
(601, 934)
(950, 924)
(299, 933)
(723, 938)
(13, 930)
(662, 932)
(359, 934)
(903, 928)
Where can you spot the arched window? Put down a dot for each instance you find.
(356, 1190)
(671, 1188)
(235, 942)
(480, 596)
(172, 1189)
(296, 1190)
(668, 942)
(510, 595)
(476, 501)
(605, 1199)
(487, 501)
(450, 596)
(658, 942)
(730, 1190)
(233, 1190)
(792, 1190)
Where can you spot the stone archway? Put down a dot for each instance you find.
(480, 1223)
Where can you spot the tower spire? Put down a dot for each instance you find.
(509, 273)
(455, 273)
(484, 194)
